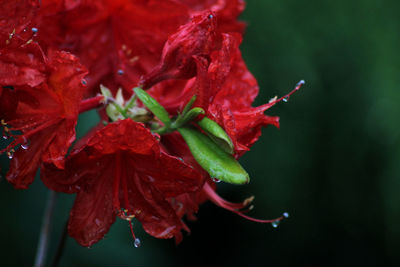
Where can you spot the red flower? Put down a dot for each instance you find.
(122, 168)
(196, 38)
(46, 92)
(132, 32)
(225, 89)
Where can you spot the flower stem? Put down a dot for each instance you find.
(61, 245)
(91, 103)
(44, 238)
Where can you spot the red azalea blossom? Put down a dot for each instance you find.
(113, 172)
(132, 33)
(46, 93)
(225, 89)
(176, 49)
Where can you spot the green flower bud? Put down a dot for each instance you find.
(217, 134)
(212, 158)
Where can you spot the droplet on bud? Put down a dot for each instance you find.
(137, 243)
(275, 224)
(215, 180)
(285, 214)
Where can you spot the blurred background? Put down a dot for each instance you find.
(333, 165)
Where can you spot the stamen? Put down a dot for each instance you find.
(23, 139)
(10, 153)
(284, 98)
(136, 241)
(121, 172)
(235, 207)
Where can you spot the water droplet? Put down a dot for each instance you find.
(181, 159)
(210, 16)
(10, 154)
(275, 224)
(285, 99)
(285, 214)
(34, 30)
(216, 180)
(137, 243)
(5, 136)
(300, 83)
(25, 145)
(120, 72)
(84, 82)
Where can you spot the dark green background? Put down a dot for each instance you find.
(333, 165)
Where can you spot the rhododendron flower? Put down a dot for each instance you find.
(132, 32)
(225, 89)
(173, 93)
(47, 91)
(122, 168)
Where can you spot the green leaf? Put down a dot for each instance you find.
(152, 104)
(188, 116)
(189, 105)
(212, 158)
(217, 134)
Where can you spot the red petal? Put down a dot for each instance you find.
(25, 163)
(133, 33)
(16, 15)
(133, 173)
(46, 115)
(92, 214)
(20, 63)
(195, 38)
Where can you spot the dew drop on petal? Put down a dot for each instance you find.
(25, 145)
(137, 243)
(34, 30)
(120, 72)
(285, 214)
(275, 224)
(84, 82)
(215, 180)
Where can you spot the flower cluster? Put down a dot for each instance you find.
(160, 147)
